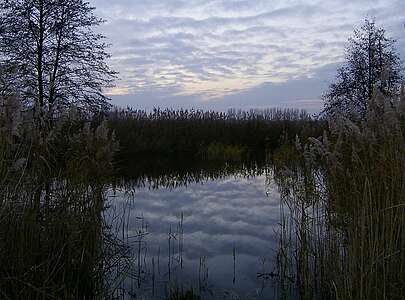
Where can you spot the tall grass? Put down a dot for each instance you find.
(343, 221)
(197, 134)
(54, 242)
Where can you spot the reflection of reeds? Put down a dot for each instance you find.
(141, 233)
(170, 174)
(169, 261)
(343, 233)
(143, 268)
(181, 239)
(203, 274)
(234, 264)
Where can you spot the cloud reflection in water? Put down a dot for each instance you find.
(219, 215)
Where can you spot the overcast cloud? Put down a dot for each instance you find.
(217, 54)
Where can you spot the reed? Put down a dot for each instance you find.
(343, 225)
(177, 294)
(202, 134)
(54, 241)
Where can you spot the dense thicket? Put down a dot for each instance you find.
(196, 132)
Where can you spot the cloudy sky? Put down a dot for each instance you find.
(217, 54)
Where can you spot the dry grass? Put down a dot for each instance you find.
(343, 233)
(54, 243)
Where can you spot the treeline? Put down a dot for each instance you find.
(211, 134)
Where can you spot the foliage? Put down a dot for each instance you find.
(218, 151)
(286, 154)
(50, 55)
(372, 63)
(194, 133)
(54, 242)
(188, 295)
(346, 238)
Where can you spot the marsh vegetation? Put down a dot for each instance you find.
(342, 230)
(197, 134)
(100, 202)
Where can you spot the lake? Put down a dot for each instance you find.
(210, 227)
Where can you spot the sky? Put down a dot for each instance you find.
(220, 54)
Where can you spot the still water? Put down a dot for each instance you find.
(210, 228)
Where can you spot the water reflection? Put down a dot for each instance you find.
(209, 226)
(155, 173)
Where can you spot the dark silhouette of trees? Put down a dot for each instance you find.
(57, 58)
(372, 63)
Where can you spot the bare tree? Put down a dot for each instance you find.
(57, 57)
(371, 63)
